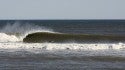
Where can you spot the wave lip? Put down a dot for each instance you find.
(41, 37)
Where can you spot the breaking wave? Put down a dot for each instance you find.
(31, 33)
(15, 32)
(17, 36)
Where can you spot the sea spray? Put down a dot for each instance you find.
(22, 28)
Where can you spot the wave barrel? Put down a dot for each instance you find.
(41, 37)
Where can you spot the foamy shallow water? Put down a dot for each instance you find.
(65, 48)
(69, 56)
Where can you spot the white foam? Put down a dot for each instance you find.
(59, 46)
(66, 48)
(8, 38)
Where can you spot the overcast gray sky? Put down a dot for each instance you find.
(62, 9)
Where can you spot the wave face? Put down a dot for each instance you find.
(40, 37)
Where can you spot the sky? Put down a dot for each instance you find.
(62, 9)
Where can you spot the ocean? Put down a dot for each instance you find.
(62, 44)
